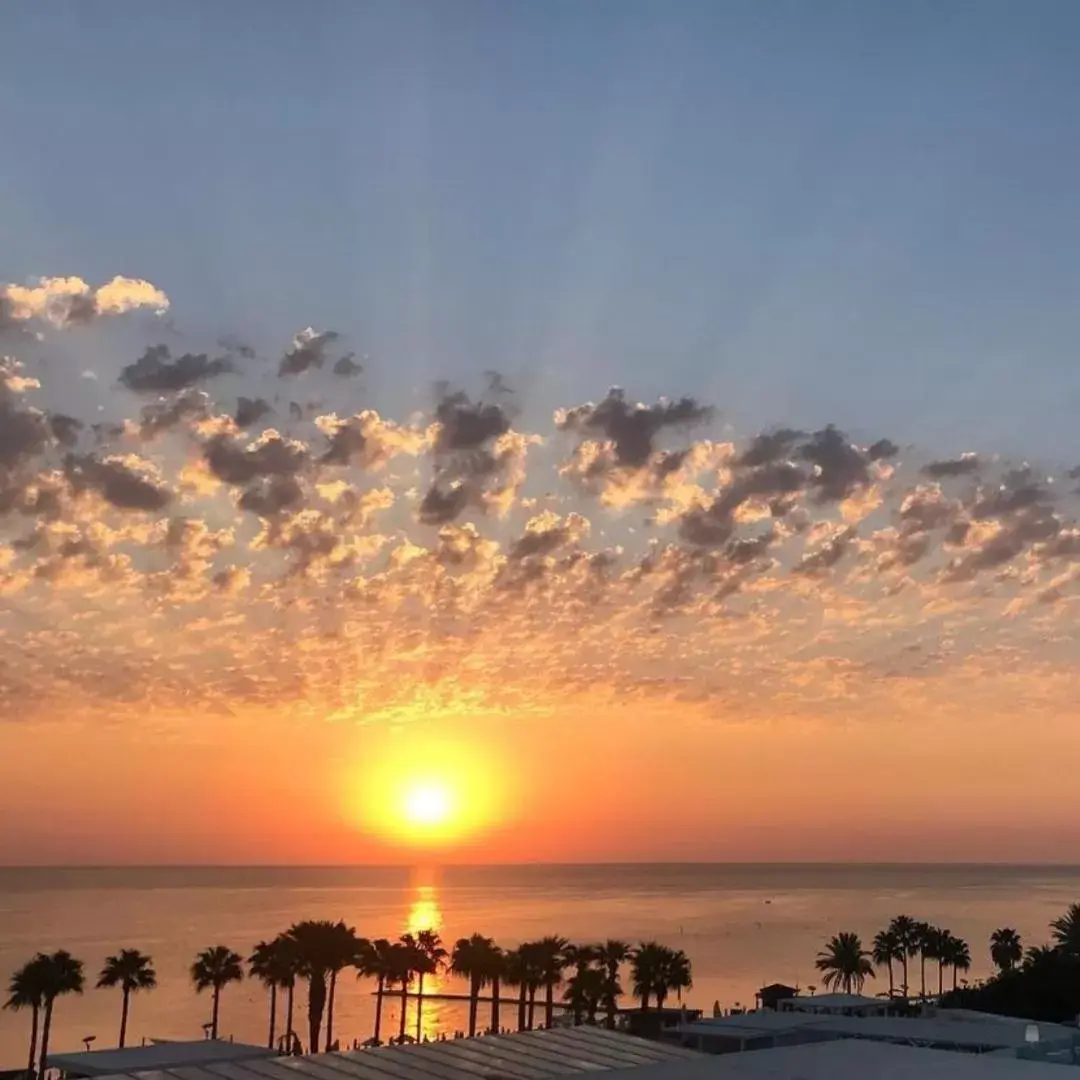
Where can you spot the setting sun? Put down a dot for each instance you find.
(427, 803)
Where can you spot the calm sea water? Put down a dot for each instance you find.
(742, 926)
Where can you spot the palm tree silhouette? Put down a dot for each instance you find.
(131, 971)
(288, 965)
(515, 973)
(378, 963)
(532, 953)
(959, 957)
(26, 990)
(213, 969)
(1066, 931)
(674, 975)
(472, 960)
(925, 933)
(551, 953)
(63, 974)
(906, 931)
(405, 960)
(885, 950)
(584, 992)
(611, 955)
(323, 949)
(845, 963)
(1006, 949)
(273, 964)
(935, 946)
(432, 957)
(646, 966)
(496, 964)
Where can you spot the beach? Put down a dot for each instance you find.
(742, 926)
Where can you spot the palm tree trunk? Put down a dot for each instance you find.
(905, 976)
(123, 1018)
(495, 1005)
(214, 1013)
(954, 978)
(316, 1003)
(891, 986)
(34, 1011)
(922, 975)
(611, 1003)
(45, 1027)
(521, 1006)
(940, 979)
(549, 1004)
(474, 1002)
(404, 1008)
(532, 1005)
(273, 1016)
(330, 1011)
(289, 1016)
(419, 1005)
(378, 1007)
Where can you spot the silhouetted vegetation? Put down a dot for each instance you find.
(317, 951)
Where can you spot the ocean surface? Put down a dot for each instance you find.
(742, 926)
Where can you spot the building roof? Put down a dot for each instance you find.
(527, 1055)
(850, 1060)
(836, 1001)
(993, 1033)
(773, 988)
(760, 1022)
(157, 1055)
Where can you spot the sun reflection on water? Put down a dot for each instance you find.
(425, 914)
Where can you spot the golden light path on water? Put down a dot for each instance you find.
(425, 914)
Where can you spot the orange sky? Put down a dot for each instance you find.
(612, 634)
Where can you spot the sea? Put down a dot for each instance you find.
(742, 926)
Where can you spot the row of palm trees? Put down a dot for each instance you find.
(318, 951)
(847, 965)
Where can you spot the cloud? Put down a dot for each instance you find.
(155, 372)
(308, 350)
(631, 428)
(271, 454)
(125, 481)
(249, 411)
(70, 301)
(964, 465)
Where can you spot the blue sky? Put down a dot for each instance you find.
(862, 213)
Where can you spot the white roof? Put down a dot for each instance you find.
(746, 1025)
(527, 1055)
(159, 1055)
(852, 1059)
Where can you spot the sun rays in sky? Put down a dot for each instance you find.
(501, 606)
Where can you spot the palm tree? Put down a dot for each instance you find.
(515, 973)
(61, 974)
(1006, 949)
(935, 946)
(378, 963)
(472, 960)
(496, 965)
(646, 965)
(213, 969)
(906, 931)
(584, 992)
(26, 990)
(323, 949)
(131, 971)
(1066, 931)
(405, 958)
(674, 975)
(926, 942)
(433, 957)
(551, 952)
(273, 964)
(288, 965)
(959, 957)
(532, 953)
(845, 963)
(611, 955)
(885, 950)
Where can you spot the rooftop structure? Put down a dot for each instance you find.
(851, 1060)
(527, 1055)
(154, 1056)
(837, 1005)
(969, 1032)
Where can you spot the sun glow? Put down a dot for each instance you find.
(425, 794)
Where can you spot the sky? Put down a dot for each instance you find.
(633, 430)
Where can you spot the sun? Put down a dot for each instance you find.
(427, 803)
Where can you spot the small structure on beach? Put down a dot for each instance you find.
(838, 1005)
(769, 997)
